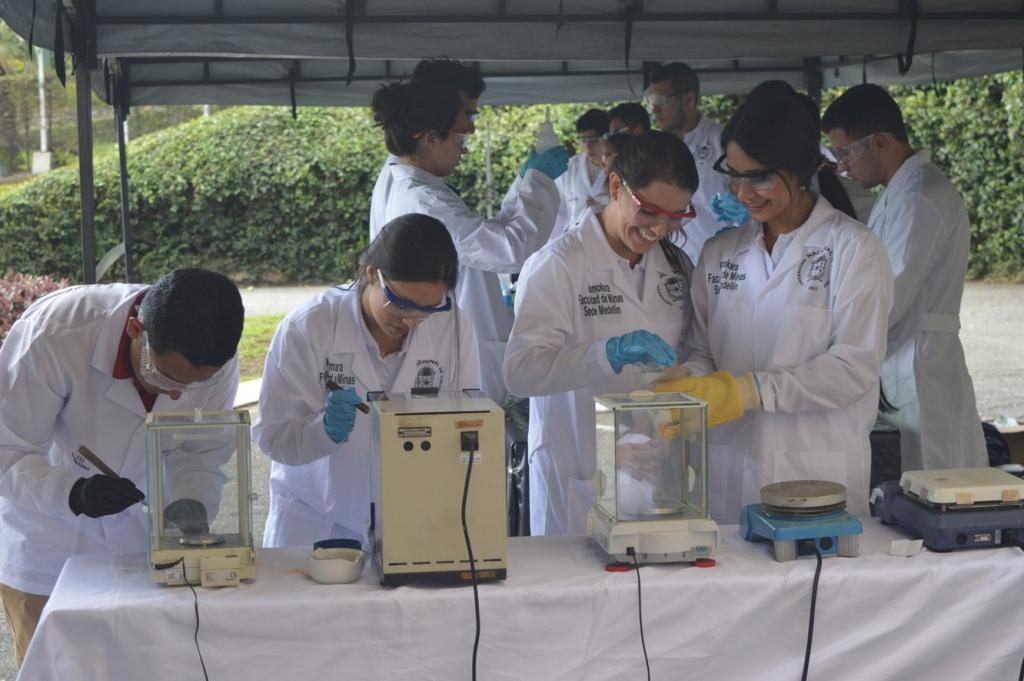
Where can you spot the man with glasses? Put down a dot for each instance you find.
(674, 100)
(921, 220)
(448, 73)
(584, 185)
(81, 369)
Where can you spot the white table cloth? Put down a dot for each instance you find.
(560, 615)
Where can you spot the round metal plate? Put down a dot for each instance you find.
(803, 494)
(201, 540)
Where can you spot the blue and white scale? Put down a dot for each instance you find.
(800, 517)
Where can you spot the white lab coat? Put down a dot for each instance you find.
(319, 489)
(574, 295)
(485, 247)
(379, 200)
(705, 143)
(812, 329)
(921, 221)
(57, 394)
(577, 191)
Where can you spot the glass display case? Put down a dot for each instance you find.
(199, 498)
(651, 479)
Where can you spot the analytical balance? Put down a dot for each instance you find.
(651, 480)
(199, 500)
(800, 517)
(421, 453)
(957, 508)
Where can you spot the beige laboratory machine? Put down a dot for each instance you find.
(421, 454)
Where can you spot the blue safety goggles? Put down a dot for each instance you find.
(402, 307)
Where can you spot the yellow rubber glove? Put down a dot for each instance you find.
(727, 396)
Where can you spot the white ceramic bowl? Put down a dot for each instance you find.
(335, 566)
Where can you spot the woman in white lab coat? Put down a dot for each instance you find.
(395, 329)
(593, 308)
(419, 123)
(790, 313)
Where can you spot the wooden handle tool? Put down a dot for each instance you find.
(97, 462)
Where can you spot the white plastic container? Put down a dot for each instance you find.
(546, 137)
(335, 566)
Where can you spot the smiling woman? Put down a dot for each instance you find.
(595, 308)
(790, 317)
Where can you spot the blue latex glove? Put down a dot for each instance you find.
(340, 413)
(552, 162)
(639, 347)
(728, 209)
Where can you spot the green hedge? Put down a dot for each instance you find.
(250, 192)
(264, 197)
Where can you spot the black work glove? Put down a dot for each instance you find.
(188, 515)
(101, 495)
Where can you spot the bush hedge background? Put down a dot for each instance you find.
(264, 197)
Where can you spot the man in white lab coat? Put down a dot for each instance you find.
(584, 185)
(921, 220)
(83, 367)
(448, 73)
(674, 99)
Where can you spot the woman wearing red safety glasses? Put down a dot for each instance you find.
(395, 329)
(595, 309)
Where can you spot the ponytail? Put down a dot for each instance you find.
(832, 189)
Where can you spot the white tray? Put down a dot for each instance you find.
(963, 486)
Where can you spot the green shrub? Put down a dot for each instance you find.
(264, 197)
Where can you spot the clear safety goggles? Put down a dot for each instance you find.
(398, 306)
(589, 141)
(617, 131)
(848, 155)
(151, 375)
(660, 100)
(461, 135)
(649, 215)
(758, 181)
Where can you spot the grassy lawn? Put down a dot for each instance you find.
(252, 349)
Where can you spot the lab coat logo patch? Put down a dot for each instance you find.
(815, 269)
(728, 278)
(703, 152)
(429, 374)
(338, 368)
(672, 289)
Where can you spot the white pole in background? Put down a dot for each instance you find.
(488, 176)
(43, 124)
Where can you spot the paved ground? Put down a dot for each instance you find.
(993, 326)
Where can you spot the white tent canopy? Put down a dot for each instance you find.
(334, 52)
(303, 51)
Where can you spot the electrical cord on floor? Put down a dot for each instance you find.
(195, 598)
(810, 624)
(469, 550)
(630, 551)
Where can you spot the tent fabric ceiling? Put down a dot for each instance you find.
(296, 51)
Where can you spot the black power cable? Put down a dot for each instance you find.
(195, 598)
(470, 442)
(630, 551)
(810, 624)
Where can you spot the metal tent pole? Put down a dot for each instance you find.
(85, 59)
(88, 200)
(119, 120)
